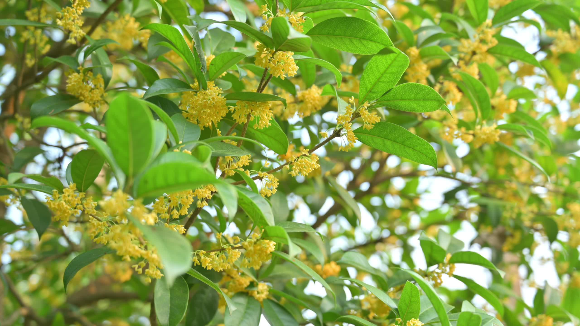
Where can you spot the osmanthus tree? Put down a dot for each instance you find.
(292, 162)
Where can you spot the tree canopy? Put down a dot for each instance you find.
(290, 162)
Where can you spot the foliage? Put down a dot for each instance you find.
(314, 162)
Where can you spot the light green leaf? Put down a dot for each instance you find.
(489, 77)
(166, 120)
(356, 260)
(254, 97)
(250, 31)
(311, 247)
(559, 80)
(23, 22)
(292, 227)
(38, 214)
(384, 297)
(97, 44)
(276, 315)
(478, 9)
(171, 302)
(514, 52)
(272, 136)
(435, 52)
(173, 249)
(85, 168)
(256, 207)
(279, 235)
(247, 313)
(288, 39)
(382, 73)
(473, 258)
(230, 303)
(130, 133)
(409, 304)
(515, 8)
(238, 9)
(491, 298)
(394, 139)
(323, 64)
(167, 86)
(308, 6)
(81, 261)
(343, 193)
(355, 320)
(147, 71)
(525, 157)
(477, 95)
(229, 197)
(307, 270)
(350, 34)
(413, 97)
(468, 318)
(434, 253)
(186, 130)
(29, 186)
(222, 62)
(433, 297)
(52, 105)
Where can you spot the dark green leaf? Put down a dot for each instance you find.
(85, 168)
(52, 105)
(276, 315)
(231, 305)
(513, 9)
(288, 39)
(25, 156)
(202, 307)
(413, 97)
(491, 298)
(477, 94)
(171, 302)
(167, 86)
(222, 62)
(81, 261)
(256, 207)
(247, 313)
(38, 214)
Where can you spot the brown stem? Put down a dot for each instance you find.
(191, 219)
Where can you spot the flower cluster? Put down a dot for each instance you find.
(217, 260)
(542, 320)
(36, 38)
(246, 110)
(205, 107)
(70, 204)
(328, 270)
(369, 118)
(476, 50)
(445, 268)
(7, 200)
(503, 105)
(344, 121)
(258, 251)
(375, 306)
(279, 63)
(174, 205)
(269, 184)
(295, 19)
(229, 164)
(418, 70)
(565, 42)
(125, 30)
(304, 163)
(87, 87)
(485, 135)
(312, 101)
(203, 194)
(71, 21)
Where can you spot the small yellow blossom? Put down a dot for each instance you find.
(71, 21)
(229, 164)
(280, 63)
(258, 251)
(328, 270)
(261, 110)
(270, 184)
(88, 88)
(312, 101)
(485, 135)
(206, 107)
(261, 293)
(418, 71)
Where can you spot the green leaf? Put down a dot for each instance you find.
(186, 130)
(434, 253)
(436, 52)
(167, 86)
(514, 52)
(559, 80)
(29, 186)
(49, 181)
(222, 62)
(202, 307)
(279, 235)
(171, 302)
(413, 97)
(254, 97)
(491, 298)
(248, 311)
(343, 193)
(311, 247)
(250, 31)
(147, 71)
(38, 214)
(473, 258)
(350, 34)
(489, 77)
(394, 139)
(477, 95)
(238, 9)
(177, 10)
(256, 207)
(525, 157)
(66, 60)
(52, 105)
(405, 32)
(478, 9)
(166, 120)
(182, 49)
(307, 270)
(276, 315)
(355, 320)
(101, 63)
(85, 168)
(380, 294)
(409, 304)
(230, 303)
(272, 136)
(468, 318)
(382, 73)
(433, 297)
(229, 197)
(81, 261)
(280, 208)
(130, 133)
(95, 143)
(292, 227)
(7, 227)
(23, 22)
(173, 249)
(323, 64)
(173, 172)
(97, 44)
(299, 302)
(513, 9)
(520, 92)
(288, 39)
(25, 156)
(308, 6)
(356, 260)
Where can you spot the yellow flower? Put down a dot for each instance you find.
(217, 260)
(8, 200)
(344, 121)
(173, 205)
(414, 322)
(270, 184)
(261, 293)
(124, 30)
(69, 204)
(312, 101)
(375, 306)
(369, 119)
(206, 107)
(486, 135)
(71, 21)
(204, 194)
(258, 251)
(476, 50)
(565, 42)
(88, 88)
(280, 63)
(304, 164)
(328, 270)
(245, 109)
(229, 164)
(418, 71)
(503, 105)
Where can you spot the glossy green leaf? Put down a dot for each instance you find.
(97, 44)
(311, 247)
(250, 31)
(171, 302)
(202, 307)
(272, 136)
(147, 71)
(489, 296)
(478, 9)
(380, 294)
(467, 318)
(82, 260)
(394, 139)
(167, 86)
(223, 62)
(323, 64)
(232, 307)
(433, 297)
(513, 9)
(382, 73)
(355, 320)
(477, 95)
(256, 207)
(350, 34)
(166, 120)
(186, 130)
(38, 214)
(409, 306)
(515, 53)
(276, 315)
(254, 97)
(248, 311)
(288, 39)
(413, 97)
(85, 168)
(229, 196)
(52, 105)
(29, 186)
(473, 258)
(434, 253)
